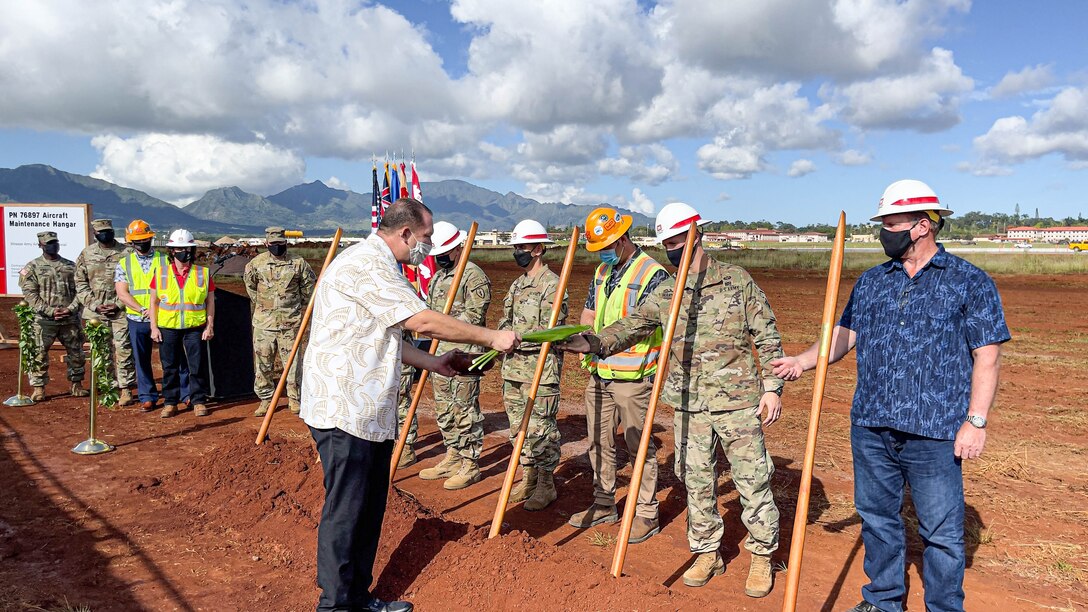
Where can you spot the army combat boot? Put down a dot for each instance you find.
(525, 489)
(445, 468)
(125, 398)
(78, 390)
(544, 493)
(294, 406)
(469, 474)
(38, 394)
(706, 566)
(407, 457)
(760, 577)
(263, 408)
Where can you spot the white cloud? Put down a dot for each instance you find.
(336, 183)
(640, 202)
(723, 197)
(852, 157)
(726, 162)
(650, 164)
(1061, 128)
(926, 101)
(182, 168)
(1031, 78)
(801, 167)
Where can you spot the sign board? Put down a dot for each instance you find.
(19, 236)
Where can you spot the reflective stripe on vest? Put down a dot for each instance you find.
(640, 360)
(139, 282)
(182, 308)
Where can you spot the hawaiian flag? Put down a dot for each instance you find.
(385, 201)
(374, 201)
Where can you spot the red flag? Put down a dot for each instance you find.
(403, 182)
(417, 193)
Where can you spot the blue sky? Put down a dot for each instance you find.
(751, 109)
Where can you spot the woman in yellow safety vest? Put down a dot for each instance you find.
(182, 319)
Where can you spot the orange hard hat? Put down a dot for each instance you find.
(604, 226)
(138, 230)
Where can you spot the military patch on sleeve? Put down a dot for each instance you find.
(24, 271)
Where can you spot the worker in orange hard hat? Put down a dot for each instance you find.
(619, 386)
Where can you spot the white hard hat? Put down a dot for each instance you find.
(446, 237)
(529, 232)
(909, 196)
(675, 219)
(181, 238)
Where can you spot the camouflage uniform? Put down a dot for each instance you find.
(457, 400)
(528, 307)
(48, 285)
(404, 399)
(95, 270)
(280, 289)
(715, 386)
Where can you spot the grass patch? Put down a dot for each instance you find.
(977, 534)
(600, 539)
(1063, 563)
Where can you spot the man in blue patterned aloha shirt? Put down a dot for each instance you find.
(928, 328)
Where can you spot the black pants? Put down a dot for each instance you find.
(356, 489)
(178, 345)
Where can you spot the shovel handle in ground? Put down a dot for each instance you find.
(519, 441)
(298, 340)
(402, 436)
(800, 517)
(651, 410)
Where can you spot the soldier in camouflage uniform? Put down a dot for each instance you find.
(718, 393)
(280, 285)
(457, 399)
(404, 402)
(528, 307)
(48, 284)
(95, 269)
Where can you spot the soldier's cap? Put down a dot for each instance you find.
(274, 234)
(44, 237)
(102, 224)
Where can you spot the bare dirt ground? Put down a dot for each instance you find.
(188, 514)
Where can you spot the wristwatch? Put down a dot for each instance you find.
(977, 421)
(777, 391)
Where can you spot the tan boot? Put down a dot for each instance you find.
(407, 457)
(168, 410)
(263, 408)
(78, 390)
(594, 515)
(294, 406)
(544, 493)
(643, 529)
(525, 489)
(125, 398)
(468, 475)
(38, 394)
(201, 410)
(445, 468)
(706, 566)
(760, 577)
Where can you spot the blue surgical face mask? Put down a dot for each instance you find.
(609, 257)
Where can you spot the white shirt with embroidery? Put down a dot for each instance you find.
(351, 371)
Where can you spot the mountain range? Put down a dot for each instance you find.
(314, 207)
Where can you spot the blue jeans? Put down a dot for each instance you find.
(139, 334)
(885, 460)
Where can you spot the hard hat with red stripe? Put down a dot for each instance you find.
(910, 196)
(446, 237)
(675, 219)
(529, 232)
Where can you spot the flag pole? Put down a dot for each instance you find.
(402, 437)
(800, 517)
(298, 341)
(519, 441)
(659, 381)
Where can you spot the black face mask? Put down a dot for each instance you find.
(51, 248)
(105, 236)
(896, 244)
(143, 247)
(278, 249)
(675, 256)
(444, 261)
(183, 256)
(523, 258)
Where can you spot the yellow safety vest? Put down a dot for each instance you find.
(640, 360)
(182, 308)
(139, 282)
